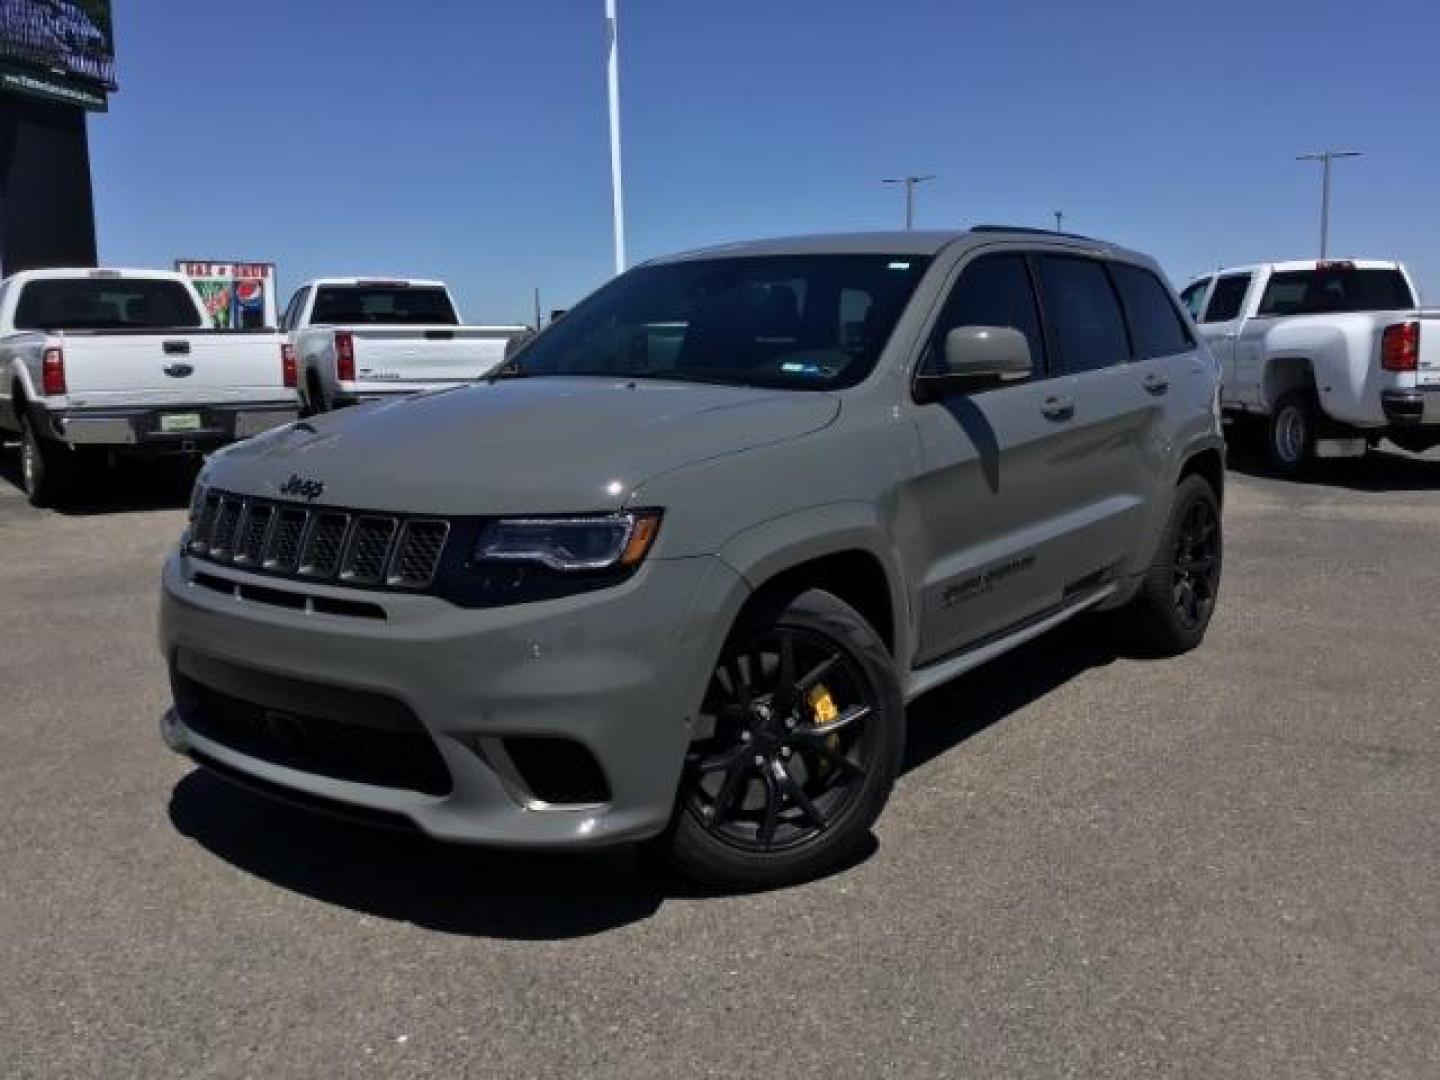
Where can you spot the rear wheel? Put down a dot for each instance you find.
(314, 397)
(1290, 444)
(44, 472)
(1172, 610)
(804, 735)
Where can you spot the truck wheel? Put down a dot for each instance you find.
(808, 733)
(314, 398)
(1290, 442)
(1170, 613)
(43, 471)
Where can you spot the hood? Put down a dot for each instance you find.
(539, 445)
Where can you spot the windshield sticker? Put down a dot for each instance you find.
(899, 266)
(796, 367)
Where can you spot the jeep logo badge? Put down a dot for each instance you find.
(309, 490)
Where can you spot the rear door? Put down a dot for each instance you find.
(1220, 327)
(998, 492)
(1112, 469)
(1165, 379)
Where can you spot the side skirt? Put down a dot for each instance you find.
(927, 678)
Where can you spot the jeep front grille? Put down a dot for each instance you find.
(318, 544)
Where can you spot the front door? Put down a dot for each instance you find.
(995, 499)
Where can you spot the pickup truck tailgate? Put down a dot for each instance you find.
(1428, 371)
(181, 366)
(414, 354)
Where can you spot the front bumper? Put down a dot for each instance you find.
(1412, 408)
(619, 671)
(147, 427)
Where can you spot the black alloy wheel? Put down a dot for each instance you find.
(1197, 563)
(799, 739)
(790, 746)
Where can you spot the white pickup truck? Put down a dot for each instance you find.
(1322, 357)
(99, 362)
(356, 339)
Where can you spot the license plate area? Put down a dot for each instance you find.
(173, 423)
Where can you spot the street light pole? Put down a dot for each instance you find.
(909, 182)
(1059, 220)
(612, 72)
(1325, 157)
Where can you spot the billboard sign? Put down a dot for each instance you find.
(63, 50)
(237, 295)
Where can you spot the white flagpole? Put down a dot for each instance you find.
(612, 35)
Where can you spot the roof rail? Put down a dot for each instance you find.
(1031, 230)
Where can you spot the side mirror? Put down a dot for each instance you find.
(976, 357)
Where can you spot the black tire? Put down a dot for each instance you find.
(1245, 434)
(314, 397)
(1290, 433)
(45, 474)
(1172, 610)
(825, 766)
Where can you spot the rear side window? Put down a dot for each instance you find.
(1192, 296)
(1335, 288)
(106, 304)
(1226, 300)
(1083, 314)
(992, 291)
(1155, 322)
(383, 305)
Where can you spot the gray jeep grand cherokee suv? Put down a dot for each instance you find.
(673, 573)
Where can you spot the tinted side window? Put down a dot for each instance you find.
(992, 291)
(1083, 314)
(1227, 298)
(1155, 322)
(1192, 296)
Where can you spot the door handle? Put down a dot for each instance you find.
(1056, 407)
(1155, 384)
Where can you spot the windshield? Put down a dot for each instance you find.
(1335, 288)
(106, 304)
(792, 321)
(383, 305)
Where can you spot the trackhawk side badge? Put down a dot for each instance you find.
(309, 490)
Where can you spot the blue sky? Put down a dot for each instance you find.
(466, 139)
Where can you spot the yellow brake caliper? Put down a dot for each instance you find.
(824, 710)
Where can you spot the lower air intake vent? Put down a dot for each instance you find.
(559, 771)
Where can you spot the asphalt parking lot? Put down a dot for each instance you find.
(1223, 865)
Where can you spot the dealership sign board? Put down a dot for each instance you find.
(237, 295)
(60, 50)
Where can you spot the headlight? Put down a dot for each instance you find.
(571, 544)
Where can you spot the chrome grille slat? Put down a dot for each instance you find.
(253, 529)
(282, 553)
(312, 543)
(417, 554)
(204, 523)
(324, 544)
(226, 519)
(368, 549)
